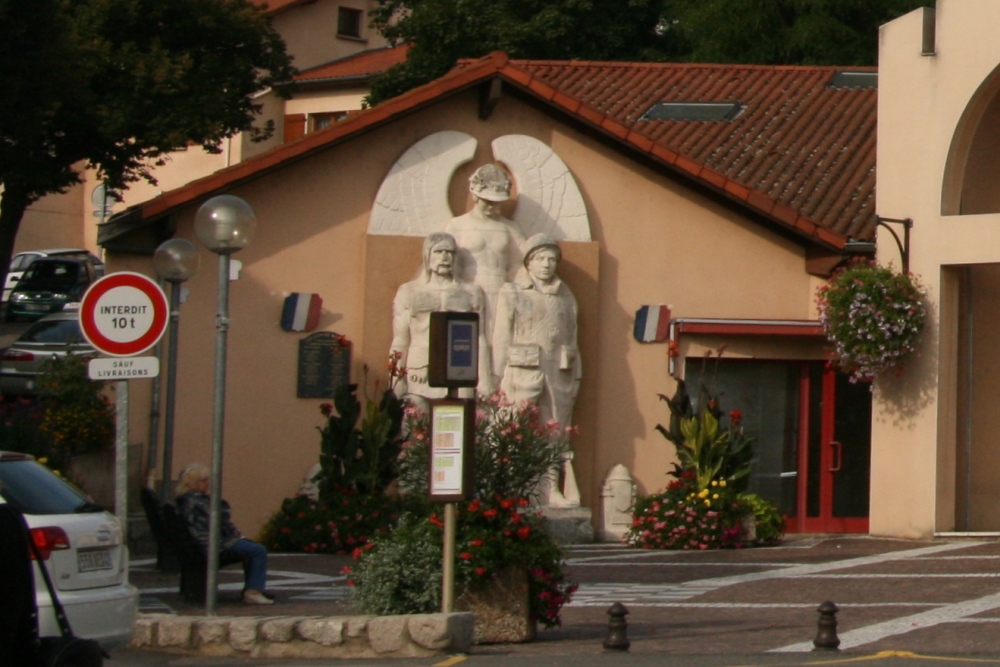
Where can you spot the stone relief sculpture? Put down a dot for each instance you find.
(413, 197)
(489, 244)
(438, 288)
(535, 349)
(528, 316)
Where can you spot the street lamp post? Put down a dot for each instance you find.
(224, 224)
(176, 261)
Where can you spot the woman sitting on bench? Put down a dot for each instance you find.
(194, 505)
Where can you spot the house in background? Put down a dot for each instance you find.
(727, 193)
(336, 52)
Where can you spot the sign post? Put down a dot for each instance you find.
(123, 314)
(454, 363)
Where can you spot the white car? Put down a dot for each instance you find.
(82, 546)
(22, 260)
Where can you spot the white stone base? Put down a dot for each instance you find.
(572, 525)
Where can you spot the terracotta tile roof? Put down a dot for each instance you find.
(275, 6)
(354, 67)
(801, 154)
(798, 143)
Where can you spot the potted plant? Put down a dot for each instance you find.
(873, 316)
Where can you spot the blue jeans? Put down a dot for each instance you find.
(256, 557)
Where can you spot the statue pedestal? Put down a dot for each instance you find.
(571, 525)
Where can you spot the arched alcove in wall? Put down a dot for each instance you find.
(972, 172)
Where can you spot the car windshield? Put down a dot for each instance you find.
(54, 274)
(53, 331)
(33, 489)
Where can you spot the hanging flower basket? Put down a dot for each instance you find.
(874, 318)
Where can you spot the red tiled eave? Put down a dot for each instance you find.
(777, 158)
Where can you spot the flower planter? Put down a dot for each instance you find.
(501, 609)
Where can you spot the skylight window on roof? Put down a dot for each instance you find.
(847, 79)
(705, 111)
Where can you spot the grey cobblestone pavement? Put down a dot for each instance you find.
(919, 602)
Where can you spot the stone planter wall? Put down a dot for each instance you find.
(414, 636)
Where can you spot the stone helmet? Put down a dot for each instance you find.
(491, 183)
(536, 243)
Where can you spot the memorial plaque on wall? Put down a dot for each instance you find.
(324, 364)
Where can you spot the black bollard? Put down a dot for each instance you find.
(617, 628)
(826, 628)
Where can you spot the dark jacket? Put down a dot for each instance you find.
(195, 508)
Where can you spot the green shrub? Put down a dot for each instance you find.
(495, 532)
(401, 572)
(70, 416)
(358, 462)
(331, 526)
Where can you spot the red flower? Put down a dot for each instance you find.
(523, 532)
(735, 417)
(489, 514)
(436, 521)
(326, 409)
(465, 555)
(346, 569)
(507, 504)
(476, 543)
(480, 570)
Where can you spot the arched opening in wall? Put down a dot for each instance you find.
(972, 171)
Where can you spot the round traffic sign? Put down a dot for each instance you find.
(124, 313)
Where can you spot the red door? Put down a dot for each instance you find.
(834, 453)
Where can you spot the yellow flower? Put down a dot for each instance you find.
(722, 483)
(708, 503)
(714, 483)
(703, 493)
(715, 496)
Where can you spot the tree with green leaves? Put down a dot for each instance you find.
(440, 32)
(766, 32)
(780, 32)
(115, 85)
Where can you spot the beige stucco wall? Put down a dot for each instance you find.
(929, 153)
(310, 31)
(654, 242)
(54, 222)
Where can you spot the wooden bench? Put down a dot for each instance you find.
(191, 559)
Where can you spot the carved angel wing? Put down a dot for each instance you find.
(548, 199)
(413, 198)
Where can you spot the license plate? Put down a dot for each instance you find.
(35, 306)
(94, 559)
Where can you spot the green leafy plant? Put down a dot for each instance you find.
(703, 446)
(78, 416)
(706, 505)
(873, 316)
(70, 416)
(358, 464)
(360, 457)
(687, 517)
(400, 573)
(333, 525)
(495, 532)
(514, 449)
(769, 525)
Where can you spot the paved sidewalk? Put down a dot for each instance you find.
(896, 598)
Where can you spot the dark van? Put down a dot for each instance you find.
(48, 285)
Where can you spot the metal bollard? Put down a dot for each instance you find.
(826, 628)
(617, 628)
